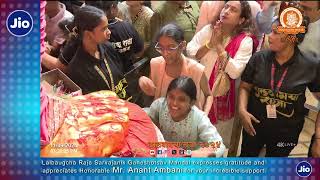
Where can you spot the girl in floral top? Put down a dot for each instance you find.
(180, 120)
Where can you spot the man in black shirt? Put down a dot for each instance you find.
(272, 96)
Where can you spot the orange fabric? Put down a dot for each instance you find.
(141, 132)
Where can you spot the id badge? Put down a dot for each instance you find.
(271, 111)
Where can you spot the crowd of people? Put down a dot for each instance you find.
(100, 45)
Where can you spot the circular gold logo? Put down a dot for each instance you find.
(291, 18)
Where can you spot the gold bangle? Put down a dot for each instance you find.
(207, 45)
(223, 54)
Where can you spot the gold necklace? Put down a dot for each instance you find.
(104, 77)
(110, 73)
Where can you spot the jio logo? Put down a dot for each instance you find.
(304, 169)
(19, 23)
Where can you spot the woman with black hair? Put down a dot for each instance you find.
(124, 37)
(171, 64)
(180, 121)
(95, 65)
(272, 95)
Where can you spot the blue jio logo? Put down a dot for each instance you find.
(19, 23)
(304, 169)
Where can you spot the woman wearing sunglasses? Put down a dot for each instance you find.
(172, 64)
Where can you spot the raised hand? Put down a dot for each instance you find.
(216, 37)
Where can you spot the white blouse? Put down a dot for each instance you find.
(235, 65)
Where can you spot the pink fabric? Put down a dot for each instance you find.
(223, 107)
(44, 101)
(44, 135)
(42, 26)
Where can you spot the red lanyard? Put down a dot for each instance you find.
(279, 82)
